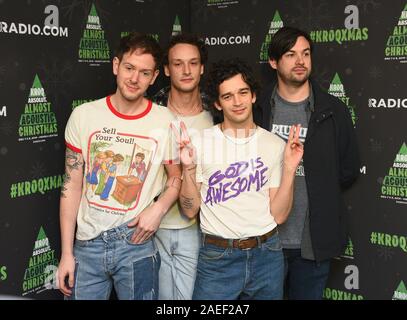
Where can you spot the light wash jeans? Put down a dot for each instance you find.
(232, 274)
(111, 259)
(179, 256)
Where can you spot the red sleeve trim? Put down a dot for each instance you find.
(75, 149)
(127, 117)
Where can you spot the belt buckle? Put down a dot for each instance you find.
(240, 243)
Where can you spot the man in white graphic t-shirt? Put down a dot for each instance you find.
(241, 180)
(115, 222)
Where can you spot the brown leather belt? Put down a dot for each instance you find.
(245, 243)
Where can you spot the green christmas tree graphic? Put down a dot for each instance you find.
(38, 121)
(337, 89)
(93, 47)
(176, 28)
(395, 45)
(401, 292)
(275, 25)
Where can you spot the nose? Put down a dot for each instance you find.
(134, 76)
(187, 68)
(300, 59)
(236, 100)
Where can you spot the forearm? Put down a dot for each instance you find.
(170, 194)
(281, 204)
(190, 197)
(69, 206)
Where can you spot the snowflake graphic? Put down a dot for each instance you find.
(385, 253)
(375, 72)
(6, 127)
(310, 15)
(367, 5)
(58, 77)
(375, 146)
(38, 170)
(323, 75)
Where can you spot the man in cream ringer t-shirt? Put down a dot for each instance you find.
(117, 149)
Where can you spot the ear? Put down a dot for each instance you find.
(202, 69)
(116, 63)
(217, 105)
(254, 97)
(156, 72)
(273, 63)
(166, 70)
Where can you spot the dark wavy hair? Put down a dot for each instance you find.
(284, 39)
(146, 43)
(187, 38)
(224, 70)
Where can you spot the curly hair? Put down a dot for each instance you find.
(222, 71)
(187, 38)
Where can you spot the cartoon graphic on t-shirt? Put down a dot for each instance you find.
(92, 175)
(120, 165)
(106, 161)
(138, 167)
(109, 179)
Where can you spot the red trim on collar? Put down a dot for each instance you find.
(127, 117)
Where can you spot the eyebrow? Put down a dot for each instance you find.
(192, 59)
(129, 64)
(239, 90)
(306, 49)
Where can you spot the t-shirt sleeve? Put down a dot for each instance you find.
(277, 166)
(72, 132)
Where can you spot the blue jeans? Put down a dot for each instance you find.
(231, 273)
(304, 279)
(179, 256)
(111, 259)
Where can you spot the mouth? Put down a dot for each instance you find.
(299, 70)
(239, 111)
(187, 80)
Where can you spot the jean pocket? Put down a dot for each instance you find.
(129, 234)
(81, 243)
(273, 244)
(213, 254)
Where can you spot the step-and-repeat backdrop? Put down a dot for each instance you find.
(56, 55)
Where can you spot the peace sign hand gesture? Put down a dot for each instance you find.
(187, 149)
(294, 149)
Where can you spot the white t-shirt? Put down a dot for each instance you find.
(124, 158)
(195, 124)
(236, 175)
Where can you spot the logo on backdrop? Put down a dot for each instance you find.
(93, 48)
(348, 254)
(275, 25)
(350, 32)
(42, 266)
(3, 273)
(3, 111)
(176, 28)
(396, 46)
(50, 28)
(125, 33)
(401, 292)
(77, 103)
(37, 122)
(220, 4)
(389, 103)
(227, 40)
(337, 89)
(394, 185)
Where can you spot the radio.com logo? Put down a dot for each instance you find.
(33, 29)
(228, 40)
(389, 103)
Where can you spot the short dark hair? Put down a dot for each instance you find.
(146, 43)
(187, 38)
(222, 71)
(284, 39)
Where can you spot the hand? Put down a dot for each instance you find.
(147, 223)
(66, 268)
(294, 149)
(187, 149)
